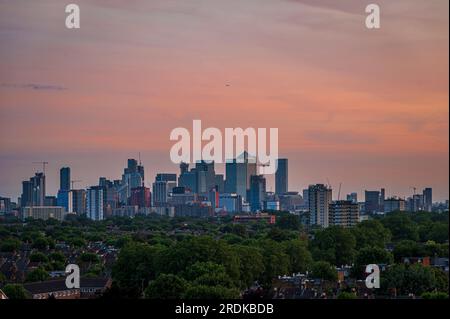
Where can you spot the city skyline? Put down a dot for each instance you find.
(258, 152)
(368, 108)
(149, 181)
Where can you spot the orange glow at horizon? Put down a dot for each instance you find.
(366, 107)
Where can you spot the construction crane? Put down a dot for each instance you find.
(43, 165)
(414, 189)
(75, 181)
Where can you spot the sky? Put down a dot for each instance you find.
(367, 108)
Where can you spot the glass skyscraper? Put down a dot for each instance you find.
(281, 176)
(64, 179)
(238, 174)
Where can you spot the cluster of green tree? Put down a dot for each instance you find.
(199, 266)
(215, 257)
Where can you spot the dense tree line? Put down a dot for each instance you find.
(196, 258)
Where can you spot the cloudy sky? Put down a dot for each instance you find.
(368, 108)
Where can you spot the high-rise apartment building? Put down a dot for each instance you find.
(343, 213)
(319, 198)
(94, 203)
(79, 201)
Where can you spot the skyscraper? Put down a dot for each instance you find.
(415, 203)
(319, 197)
(238, 174)
(79, 201)
(111, 196)
(25, 198)
(94, 203)
(427, 199)
(281, 176)
(257, 192)
(201, 179)
(65, 199)
(133, 176)
(33, 191)
(206, 176)
(64, 178)
(372, 201)
(170, 181)
(38, 189)
(160, 193)
(188, 180)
